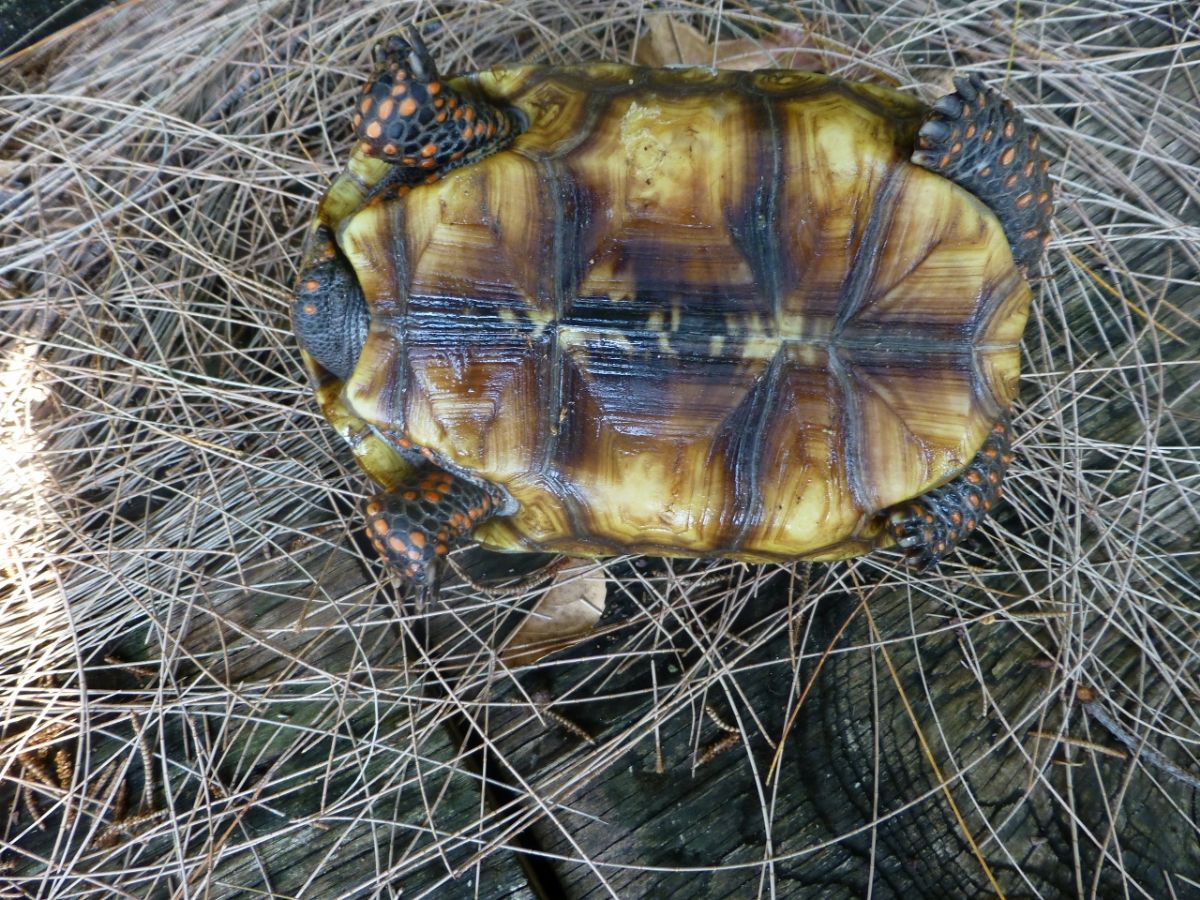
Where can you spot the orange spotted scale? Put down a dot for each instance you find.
(940, 512)
(606, 309)
(988, 166)
(415, 524)
(432, 127)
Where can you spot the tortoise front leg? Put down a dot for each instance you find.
(978, 140)
(411, 118)
(934, 524)
(416, 524)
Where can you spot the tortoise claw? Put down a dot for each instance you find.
(406, 51)
(949, 106)
(969, 87)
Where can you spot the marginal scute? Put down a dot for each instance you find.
(672, 79)
(786, 82)
(556, 112)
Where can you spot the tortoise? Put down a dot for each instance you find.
(602, 309)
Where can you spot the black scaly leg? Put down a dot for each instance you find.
(934, 524)
(979, 141)
(411, 118)
(415, 526)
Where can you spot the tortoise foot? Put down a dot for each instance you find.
(411, 118)
(978, 140)
(934, 524)
(416, 525)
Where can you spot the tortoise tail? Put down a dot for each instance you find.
(978, 140)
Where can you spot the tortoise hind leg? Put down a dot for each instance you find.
(934, 524)
(415, 525)
(978, 140)
(411, 118)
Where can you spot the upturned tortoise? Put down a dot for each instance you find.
(603, 309)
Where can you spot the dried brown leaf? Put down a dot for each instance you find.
(669, 41)
(565, 614)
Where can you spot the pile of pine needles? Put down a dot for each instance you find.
(208, 685)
